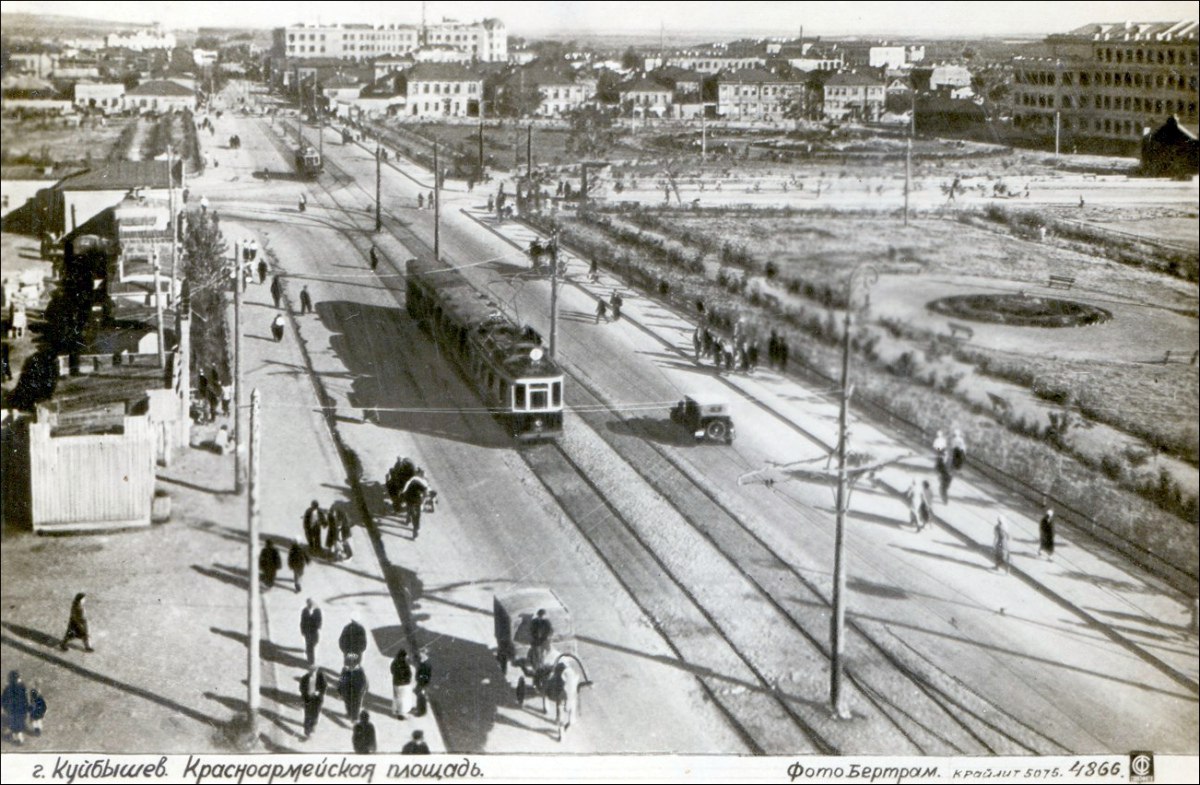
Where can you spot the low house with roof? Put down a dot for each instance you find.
(160, 95)
(562, 89)
(102, 97)
(77, 198)
(755, 94)
(387, 95)
(390, 64)
(852, 95)
(32, 96)
(644, 96)
(951, 80)
(686, 85)
(442, 90)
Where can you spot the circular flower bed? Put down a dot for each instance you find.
(1019, 310)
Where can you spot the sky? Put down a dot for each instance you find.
(767, 18)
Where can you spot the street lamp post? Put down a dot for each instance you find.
(869, 275)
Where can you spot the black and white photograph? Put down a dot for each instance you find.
(672, 391)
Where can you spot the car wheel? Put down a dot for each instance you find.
(717, 431)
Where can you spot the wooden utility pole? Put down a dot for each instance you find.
(839, 571)
(254, 622)
(173, 228)
(554, 295)
(437, 205)
(158, 314)
(237, 369)
(378, 186)
(529, 152)
(480, 176)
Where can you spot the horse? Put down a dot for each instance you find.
(562, 686)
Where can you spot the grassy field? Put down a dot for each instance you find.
(51, 140)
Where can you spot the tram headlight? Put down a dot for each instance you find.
(538, 424)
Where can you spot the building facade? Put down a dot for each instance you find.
(754, 94)
(442, 90)
(100, 97)
(1109, 82)
(854, 96)
(485, 41)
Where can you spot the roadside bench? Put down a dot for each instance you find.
(1061, 281)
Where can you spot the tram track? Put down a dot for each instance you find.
(727, 534)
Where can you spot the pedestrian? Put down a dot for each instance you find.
(374, 258)
(430, 200)
(616, 303)
(277, 290)
(353, 640)
(306, 305)
(417, 746)
(926, 502)
(697, 343)
(424, 677)
(312, 693)
(203, 205)
(77, 625)
(297, 561)
(958, 451)
(783, 355)
(37, 710)
(1000, 543)
(402, 685)
(364, 735)
(601, 311)
(333, 537)
(303, 203)
(15, 700)
(277, 327)
(945, 477)
(1046, 534)
(939, 445)
(226, 399)
(262, 271)
(414, 493)
(345, 532)
(312, 527)
(491, 204)
(752, 357)
(594, 271)
(269, 563)
(310, 629)
(914, 506)
(541, 631)
(352, 686)
(421, 201)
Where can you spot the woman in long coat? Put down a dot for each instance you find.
(403, 695)
(16, 707)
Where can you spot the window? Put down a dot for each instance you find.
(539, 396)
(518, 396)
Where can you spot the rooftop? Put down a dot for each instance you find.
(442, 72)
(121, 176)
(161, 87)
(1135, 31)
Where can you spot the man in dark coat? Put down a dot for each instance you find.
(310, 628)
(312, 692)
(277, 290)
(540, 633)
(312, 527)
(269, 563)
(77, 624)
(352, 686)
(364, 735)
(353, 640)
(262, 271)
(417, 746)
(374, 258)
(306, 304)
(414, 494)
(424, 677)
(332, 536)
(1046, 534)
(297, 561)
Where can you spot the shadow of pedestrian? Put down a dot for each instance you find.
(33, 636)
(268, 650)
(237, 577)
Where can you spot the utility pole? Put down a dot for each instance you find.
(907, 176)
(554, 296)
(529, 152)
(1057, 133)
(254, 622)
(378, 186)
(480, 177)
(158, 312)
(237, 371)
(437, 205)
(173, 228)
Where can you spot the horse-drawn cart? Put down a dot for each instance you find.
(535, 634)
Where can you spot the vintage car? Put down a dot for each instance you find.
(705, 418)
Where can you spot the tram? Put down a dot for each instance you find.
(507, 364)
(308, 162)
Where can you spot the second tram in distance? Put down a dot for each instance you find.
(507, 364)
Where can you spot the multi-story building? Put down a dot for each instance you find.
(485, 41)
(140, 41)
(1109, 82)
(561, 89)
(645, 96)
(755, 94)
(442, 90)
(854, 96)
(160, 95)
(718, 57)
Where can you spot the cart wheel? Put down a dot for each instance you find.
(521, 688)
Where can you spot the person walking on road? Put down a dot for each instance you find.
(958, 451)
(277, 328)
(616, 302)
(306, 304)
(1000, 545)
(77, 624)
(414, 494)
(374, 258)
(269, 564)
(37, 710)
(345, 533)
(312, 527)
(312, 693)
(416, 746)
(277, 290)
(310, 629)
(1046, 534)
(262, 271)
(364, 735)
(352, 686)
(297, 561)
(15, 701)
(424, 675)
(353, 640)
(402, 685)
(333, 537)
(915, 513)
(601, 311)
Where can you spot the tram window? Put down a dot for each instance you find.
(538, 396)
(556, 390)
(518, 396)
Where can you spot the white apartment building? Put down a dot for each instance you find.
(442, 90)
(486, 40)
(142, 40)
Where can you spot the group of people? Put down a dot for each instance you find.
(410, 682)
(422, 201)
(614, 302)
(328, 533)
(24, 708)
(727, 354)
(409, 491)
(211, 393)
